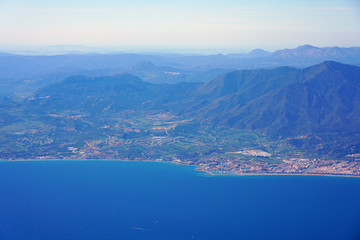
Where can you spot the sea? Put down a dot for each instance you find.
(88, 200)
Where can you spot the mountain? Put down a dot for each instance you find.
(305, 50)
(325, 99)
(258, 53)
(309, 52)
(104, 95)
(239, 81)
(92, 95)
(285, 101)
(143, 66)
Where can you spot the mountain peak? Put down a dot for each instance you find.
(258, 53)
(144, 66)
(306, 47)
(308, 51)
(332, 65)
(326, 66)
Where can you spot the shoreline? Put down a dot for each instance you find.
(275, 174)
(208, 173)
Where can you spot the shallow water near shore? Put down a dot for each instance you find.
(148, 200)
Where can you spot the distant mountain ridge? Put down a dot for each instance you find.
(315, 52)
(22, 75)
(259, 53)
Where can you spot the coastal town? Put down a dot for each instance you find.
(293, 166)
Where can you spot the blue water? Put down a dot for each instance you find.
(75, 200)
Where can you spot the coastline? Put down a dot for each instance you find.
(196, 168)
(215, 174)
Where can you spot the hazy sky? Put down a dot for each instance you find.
(172, 24)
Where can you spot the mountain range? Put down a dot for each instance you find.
(284, 101)
(315, 110)
(22, 75)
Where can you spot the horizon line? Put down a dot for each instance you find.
(65, 49)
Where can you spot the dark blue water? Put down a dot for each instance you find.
(136, 200)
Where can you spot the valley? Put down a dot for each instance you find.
(164, 137)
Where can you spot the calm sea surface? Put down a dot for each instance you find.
(74, 200)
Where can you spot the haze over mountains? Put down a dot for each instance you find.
(22, 75)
